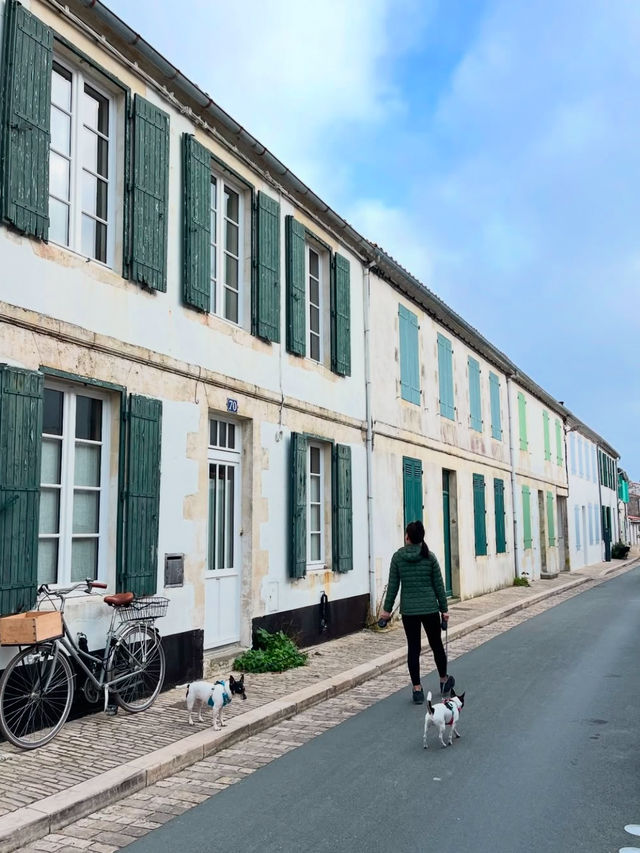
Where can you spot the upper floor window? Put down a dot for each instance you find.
(314, 301)
(226, 212)
(81, 164)
(409, 355)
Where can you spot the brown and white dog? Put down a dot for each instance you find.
(444, 715)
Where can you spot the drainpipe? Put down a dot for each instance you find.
(366, 286)
(512, 456)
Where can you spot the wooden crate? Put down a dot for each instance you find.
(23, 629)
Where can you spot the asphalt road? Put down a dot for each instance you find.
(548, 761)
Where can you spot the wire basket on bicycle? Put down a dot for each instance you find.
(147, 607)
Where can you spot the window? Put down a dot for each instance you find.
(480, 525)
(73, 486)
(409, 357)
(580, 462)
(587, 460)
(590, 524)
(315, 263)
(551, 523)
(547, 438)
(522, 420)
(315, 507)
(412, 489)
(224, 467)
(573, 453)
(475, 401)
(498, 498)
(576, 513)
(494, 393)
(226, 212)
(81, 165)
(445, 377)
(526, 517)
(559, 454)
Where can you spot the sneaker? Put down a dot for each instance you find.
(447, 686)
(418, 696)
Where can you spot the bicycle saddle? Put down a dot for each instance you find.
(120, 599)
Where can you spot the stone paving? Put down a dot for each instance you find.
(118, 825)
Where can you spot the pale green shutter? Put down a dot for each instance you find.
(551, 525)
(526, 517)
(409, 359)
(27, 61)
(412, 489)
(20, 449)
(494, 393)
(547, 437)
(475, 401)
(559, 454)
(196, 224)
(445, 377)
(479, 515)
(142, 496)
(498, 500)
(298, 507)
(295, 282)
(146, 255)
(266, 300)
(341, 316)
(342, 509)
(522, 421)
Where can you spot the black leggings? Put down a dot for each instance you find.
(412, 628)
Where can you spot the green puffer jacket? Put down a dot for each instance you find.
(421, 579)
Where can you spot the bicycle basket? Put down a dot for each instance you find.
(144, 607)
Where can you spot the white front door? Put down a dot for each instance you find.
(222, 579)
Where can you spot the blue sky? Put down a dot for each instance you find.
(491, 147)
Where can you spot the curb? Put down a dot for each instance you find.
(32, 822)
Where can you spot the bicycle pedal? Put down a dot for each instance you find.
(111, 710)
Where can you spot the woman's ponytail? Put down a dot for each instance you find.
(415, 532)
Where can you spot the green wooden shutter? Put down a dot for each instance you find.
(142, 495)
(146, 256)
(412, 489)
(266, 300)
(551, 524)
(522, 421)
(547, 437)
(341, 316)
(475, 401)
(409, 355)
(559, 454)
(296, 289)
(498, 501)
(494, 393)
(27, 61)
(479, 515)
(298, 507)
(342, 509)
(526, 517)
(196, 262)
(20, 449)
(445, 377)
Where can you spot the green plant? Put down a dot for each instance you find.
(521, 581)
(274, 653)
(620, 551)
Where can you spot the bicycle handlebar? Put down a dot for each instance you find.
(62, 592)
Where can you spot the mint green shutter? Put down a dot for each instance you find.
(522, 421)
(494, 394)
(148, 197)
(547, 437)
(409, 357)
(20, 449)
(475, 402)
(296, 289)
(341, 316)
(27, 61)
(559, 455)
(526, 517)
(342, 509)
(412, 489)
(142, 495)
(298, 507)
(445, 377)
(498, 502)
(196, 224)
(266, 300)
(551, 525)
(479, 518)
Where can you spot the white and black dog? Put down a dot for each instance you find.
(216, 695)
(443, 715)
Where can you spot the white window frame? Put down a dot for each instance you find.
(217, 238)
(318, 333)
(222, 454)
(322, 450)
(78, 80)
(68, 440)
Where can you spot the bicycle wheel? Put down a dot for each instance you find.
(138, 652)
(36, 692)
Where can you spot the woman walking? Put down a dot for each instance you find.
(422, 599)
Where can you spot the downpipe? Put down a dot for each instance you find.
(373, 592)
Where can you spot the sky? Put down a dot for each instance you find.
(491, 147)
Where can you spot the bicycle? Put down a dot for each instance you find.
(38, 685)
